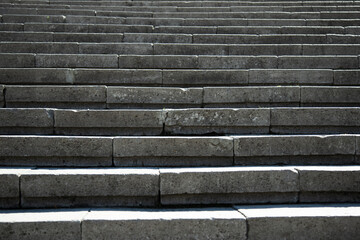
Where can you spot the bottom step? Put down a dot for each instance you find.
(330, 221)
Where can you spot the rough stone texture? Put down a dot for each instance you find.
(329, 184)
(21, 47)
(190, 49)
(141, 97)
(118, 77)
(116, 48)
(294, 149)
(205, 77)
(76, 61)
(330, 96)
(251, 96)
(56, 96)
(2, 98)
(88, 37)
(158, 61)
(237, 62)
(41, 224)
(94, 20)
(26, 121)
(157, 38)
(347, 77)
(17, 60)
(195, 223)
(90, 187)
(109, 122)
(265, 49)
(330, 49)
(228, 185)
(315, 120)
(318, 62)
(55, 151)
(219, 121)
(173, 151)
(9, 190)
(336, 221)
(12, 18)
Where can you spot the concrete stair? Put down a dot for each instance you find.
(177, 119)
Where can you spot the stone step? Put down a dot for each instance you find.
(102, 97)
(177, 151)
(114, 61)
(183, 78)
(190, 121)
(179, 48)
(239, 222)
(114, 187)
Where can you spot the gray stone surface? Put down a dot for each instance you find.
(109, 122)
(330, 49)
(90, 187)
(315, 120)
(88, 37)
(294, 149)
(329, 184)
(2, 98)
(55, 151)
(347, 77)
(228, 185)
(318, 62)
(11, 27)
(205, 77)
(26, 36)
(217, 120)
(173, 151)
(56, 96)
(330, 96)
(141, 97)
(237, 62)
(116, 48)
(41, 224)
(94, 20)
(56, 27)
(251, 96)
(335, 221)
(158, 61)
(195, 223)
(21, 47)
(190, 49)
(157, 38)
(76, 61)
(17, 60)
(26, 121)
(291, 77)
(265, 49)
(13, 18)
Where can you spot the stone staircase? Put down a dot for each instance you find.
(179, 119)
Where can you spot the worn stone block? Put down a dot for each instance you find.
(185, 29)
(56, 96)
(77, 61)
(318, 62)
(118, 77)
(56, 27)
(330, 96)
(13, 18)
(90, 187)
(251, 96)
(2, 97)
(347, 77)
(116, 48)
(237, 62)
(26, 37)
(173, 151)
(109, 122)
(330, 49)
(114, 28)
(157, 38)
(190, 49)
(88, 37)
(158, 61)
(94, 20)
(277, 22)
(196, 223)
(285, 76)
(145, 97)
(311, 30)
(26, 121)
(21, 47)
(248, 30)
(205, 77)
(218, 121)
(11, 27)
(265, 49)
(17, 60)
(294, 149)
(329, 184)
(41, 224)
(228, 185)
(315, 120)
(55, 151)
(332, 221)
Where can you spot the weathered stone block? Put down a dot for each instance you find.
(219, 121)
(265, 49)
(56, 96)
(329, 184)
(11, 27)
(335, 221)
(237, 62)
(26, 37)
(94, 20)
(205, 77)
(17, 60)
(13, 18)
(347, 77)
(41, 224)
(76, 61)
(2, 97)
(145, 97)
(330, 49)
(315, 120)
(318, 62)
(26, 121)
(173, 151)
(55, 151)
(294, 149)
(185, 29)
(21, 47)
(157, 38)
(228, 185)
(114, 28)
(109, 122)
(201, 223)
(158, 61)
(90, 187)
(251, 96)
(116, 48)
(330, 96)
(190, 49)
(88, 37)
